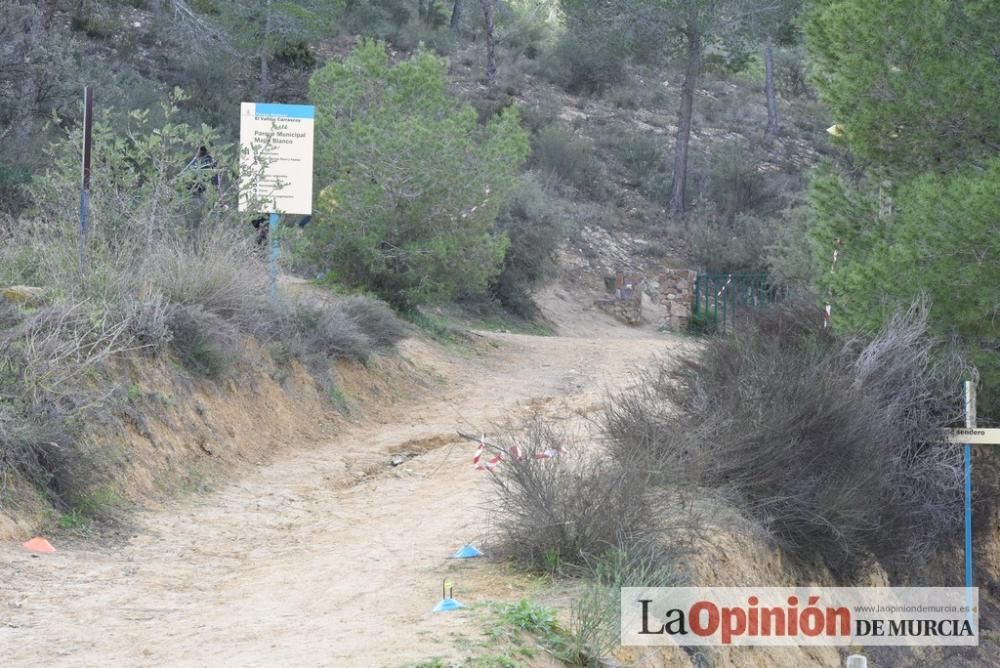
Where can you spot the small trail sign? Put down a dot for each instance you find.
(973, 436)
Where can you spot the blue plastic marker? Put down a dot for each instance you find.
(448, 602)
(467, 552)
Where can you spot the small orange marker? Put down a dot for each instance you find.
(39, 545)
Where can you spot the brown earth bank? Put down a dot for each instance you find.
(326, 555)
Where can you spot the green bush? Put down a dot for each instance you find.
(534, 231)
(791, 253)
(720, 244)
(415, 183)
(791, 72)
(585, 65)
(596, 612)
(703, 323)
(560, 152)
(733, 182)
(411, 35)
(643, 156)
(933, 236)
(377, 18)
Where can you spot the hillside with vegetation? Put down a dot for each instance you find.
(483, 171)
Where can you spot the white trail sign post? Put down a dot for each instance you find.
(276, 166)
(967, 437)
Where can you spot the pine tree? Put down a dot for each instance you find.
(916, 88)
(411, 184)
(914, 84)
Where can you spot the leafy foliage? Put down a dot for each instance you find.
(919, 114)
(534, 231)
(413, 183)
(913, 84)
(942, 242)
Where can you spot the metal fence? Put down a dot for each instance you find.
(719, 299)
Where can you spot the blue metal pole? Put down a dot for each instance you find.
(970, 423)
(272, 265)
(968, 518)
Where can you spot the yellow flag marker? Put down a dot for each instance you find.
(837, 130)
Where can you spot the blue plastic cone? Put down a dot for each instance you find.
(467, 552)
(447, 605)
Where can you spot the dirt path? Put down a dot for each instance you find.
(305, 562)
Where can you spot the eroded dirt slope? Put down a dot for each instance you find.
(328, 555)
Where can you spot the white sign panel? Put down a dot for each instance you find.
(973, 436)
(276, 165)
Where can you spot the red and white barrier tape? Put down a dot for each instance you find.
(516, 454)
(728, 282)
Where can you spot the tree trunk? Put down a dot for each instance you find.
(678, 200)
(772, 102)
(491, 44)
(49, 14)
(264, 82)
(456, 15)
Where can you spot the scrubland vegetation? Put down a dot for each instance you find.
(459, 145)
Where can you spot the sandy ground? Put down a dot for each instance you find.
(327, 556)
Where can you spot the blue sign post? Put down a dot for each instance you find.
(970, 423)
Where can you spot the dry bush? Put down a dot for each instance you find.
(58, 349)
(149, 322)
(586, 515)
(54, 377)
(330, 331)
(830, 445)
(376, 320)
(563, 511)
(222, 275)
(34, 441)
(205, 343)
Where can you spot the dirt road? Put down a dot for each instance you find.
(303, 562)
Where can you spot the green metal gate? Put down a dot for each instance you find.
(720, 298)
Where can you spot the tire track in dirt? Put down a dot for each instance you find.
(305, 561)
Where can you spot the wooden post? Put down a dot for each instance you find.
(88, 129)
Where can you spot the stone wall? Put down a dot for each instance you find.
(628, 311)
(677, 296)
(626, 304)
